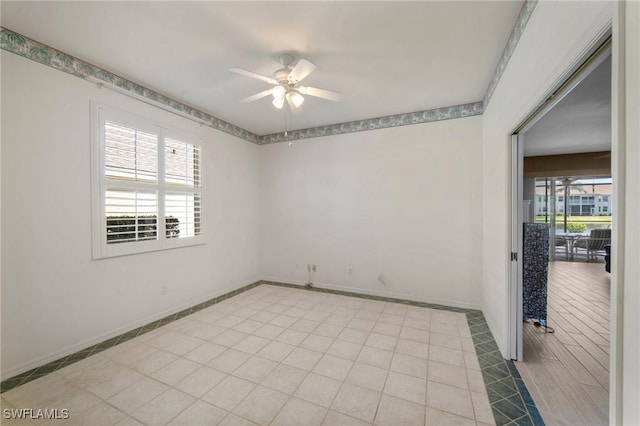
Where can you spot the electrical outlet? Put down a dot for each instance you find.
(350, 271)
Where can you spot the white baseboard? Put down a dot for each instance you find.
(381, 293)
(26, 366)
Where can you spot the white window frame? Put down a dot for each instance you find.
(99, 183)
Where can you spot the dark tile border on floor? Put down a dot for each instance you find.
(45, 369)
(369, 297)
(508, 395)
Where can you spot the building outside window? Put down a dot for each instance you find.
(588, 204)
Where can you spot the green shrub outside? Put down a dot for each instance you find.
(576, 227)
(128, 228)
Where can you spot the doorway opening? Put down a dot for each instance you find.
(563, 191)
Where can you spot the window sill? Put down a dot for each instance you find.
(128, 249)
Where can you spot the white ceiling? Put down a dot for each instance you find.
(580, 122)
(385, 57)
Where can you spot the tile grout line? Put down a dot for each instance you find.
(508, 396)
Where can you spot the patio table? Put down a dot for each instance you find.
(570, 238)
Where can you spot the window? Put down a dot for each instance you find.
(146, 184)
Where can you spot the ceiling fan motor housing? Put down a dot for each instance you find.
(282, 76)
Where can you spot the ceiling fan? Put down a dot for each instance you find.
(286, 85)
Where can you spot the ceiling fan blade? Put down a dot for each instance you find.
(320, 93)
(302, 69)
(258, 96)
(253, 75)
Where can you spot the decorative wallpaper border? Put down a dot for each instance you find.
(31, 49)
(418, 117)
(405, 119)
(514, 38)
(41, 53)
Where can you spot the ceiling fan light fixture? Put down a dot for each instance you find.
(296, 98)
(278, 102)
(279, 92)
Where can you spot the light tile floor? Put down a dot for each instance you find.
(277, 356)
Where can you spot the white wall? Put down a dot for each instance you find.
(403, 202)
(627, 298)
(55, 298)
(556, 38)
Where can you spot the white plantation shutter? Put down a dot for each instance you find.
(130, 153)
(182, 164)
(182, 178)
(131, 215)
(149, 187)
(131, 156)
(186, 208)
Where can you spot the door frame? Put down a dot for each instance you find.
(515, 269)
(599, 51)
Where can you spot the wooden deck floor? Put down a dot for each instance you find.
(567, 372)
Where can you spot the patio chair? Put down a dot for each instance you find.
(562, 242)
(593, 244)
